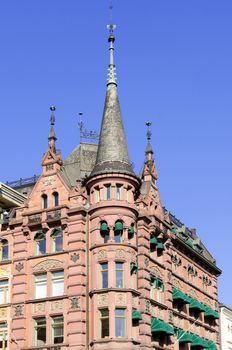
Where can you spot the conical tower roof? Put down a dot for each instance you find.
(112, 156)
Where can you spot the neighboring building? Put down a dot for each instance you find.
(95, 262)
(225, 327)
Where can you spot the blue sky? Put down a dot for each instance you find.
(174, 68)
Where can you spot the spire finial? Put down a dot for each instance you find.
(52, 135)
(148, 148)
(111, 27)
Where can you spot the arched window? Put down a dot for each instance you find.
(55, 199)
(40, 241)
(44, 201)
(5, 249)
(104, 230)
(118, 231)
(57, 236)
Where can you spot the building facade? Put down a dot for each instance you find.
(94, 261)
(225, 327)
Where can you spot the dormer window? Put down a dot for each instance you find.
(55, 199)
(5, 249)
(44, 201)
(40, 243)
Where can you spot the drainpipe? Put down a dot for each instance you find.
(87, 280)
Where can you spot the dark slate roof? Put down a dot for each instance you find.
(112, 156)
(79, 163)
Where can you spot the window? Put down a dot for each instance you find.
(107, 192)
(4, 249)
(40, 331)
(58, 330)
(41, 286)
(120, 323)
(55, 199)
(3, 336)
(118, 231)
(4, 292)
(97, 195)
(118, 192)
(57, 236)
(40, 241)
(104, 230)
(57, 283)
(44, 201)
(104, 323)
(104, 275)
(119, 275)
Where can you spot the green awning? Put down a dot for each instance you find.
(189, 242)
(211, 345)
(194, 304)
(136, 315)
(156, 282)
(118, 226)
(57, 231)
(40, 234)
(104, 227)
(133, 268)
(198, 341)
(178, 295)
(160, 326)
(211, 313)
(131, 230)
(183, 336)
(153, 241)
(160, 246)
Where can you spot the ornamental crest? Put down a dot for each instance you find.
(47, 265)
(102, 255)
(103, 299)
(177, 284)
(120, 299)
(120, 254)
(156, 271)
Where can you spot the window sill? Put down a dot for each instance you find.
(5, 262)
(39, 300)
(48, 346)
(113, 289)
(46, 255)
(116, 340)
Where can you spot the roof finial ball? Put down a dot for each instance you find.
(149, 150)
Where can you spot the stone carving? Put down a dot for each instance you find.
(47, 265)
(148, 304)
(102, 254)
(3, 273)
(146, 262)
(160, 313)
(135, 302)
(18, 310)
(193, 294)
(19, 266)
(57, 305)
(49, 180)
(207, 302)
(74, 303)
(177, 284)
(103, 299)
(39, 308)
(53, 215)
(120, 254)
(3, 312)
(75, 257)
(120, 299)
(133, 256)
(34, 219)
(169, 275)
(156, 271)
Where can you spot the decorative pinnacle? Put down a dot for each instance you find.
(52, 119)
(111, 27)
(148, 148)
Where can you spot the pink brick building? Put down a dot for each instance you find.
(90, 259)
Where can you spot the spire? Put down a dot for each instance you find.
(52, 135)
(112, 153)
(149, 170)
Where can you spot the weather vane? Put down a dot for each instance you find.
(85, 134)
(52, 119)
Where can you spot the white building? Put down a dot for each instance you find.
(226, 327)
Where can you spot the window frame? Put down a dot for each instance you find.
(107, 188)
(4, 335)
(118, 192)
(56, 234)
(36, 283)
(5, 288)
(4, 249)
(104, 318)
(44, 325)
(120, 270)
(56, 199)
(44, 201)
(54, 279)
(120, 317)
(57, 325)
(37, 243)
(106, 272)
